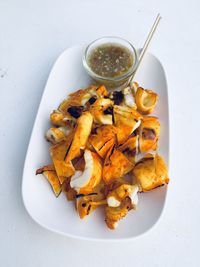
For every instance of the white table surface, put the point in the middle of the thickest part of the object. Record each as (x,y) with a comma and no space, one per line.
(32,35)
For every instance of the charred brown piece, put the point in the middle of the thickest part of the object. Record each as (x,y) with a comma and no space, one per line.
(75,111)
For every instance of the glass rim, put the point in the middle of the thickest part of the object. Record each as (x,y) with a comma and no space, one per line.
(119,78)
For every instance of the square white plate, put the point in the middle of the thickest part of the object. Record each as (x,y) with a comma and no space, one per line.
(59,215)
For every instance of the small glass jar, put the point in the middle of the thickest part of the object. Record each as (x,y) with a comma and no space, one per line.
(110,81)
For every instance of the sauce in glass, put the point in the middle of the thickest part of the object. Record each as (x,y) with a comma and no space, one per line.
(110,60)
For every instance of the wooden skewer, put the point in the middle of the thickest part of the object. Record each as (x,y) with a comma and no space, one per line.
(145,46)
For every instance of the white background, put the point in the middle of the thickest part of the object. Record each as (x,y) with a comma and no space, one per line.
(32,35)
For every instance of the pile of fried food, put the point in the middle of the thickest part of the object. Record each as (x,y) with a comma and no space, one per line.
(95,141)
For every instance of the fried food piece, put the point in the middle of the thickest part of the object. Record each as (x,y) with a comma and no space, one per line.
(115,197)
(85,206)
(63,168)
(101,91)
(95,144)
(66,104)
(87,203)
(73,106)
(51,176)
(134,86)
(103,139)
(82,132)
(151,172)
(57,118)
(101,110)
(69,192)
(49,167)
(57,135)
(89,146)
(127,120)
(117,97)
(71,110)
(116,165)
(84,182)
(123,97)
(79,164)
(114,214)
(146,100)
(82,96)
(149,134)
(114,184)
(129,98)
(78,98)
(130,148)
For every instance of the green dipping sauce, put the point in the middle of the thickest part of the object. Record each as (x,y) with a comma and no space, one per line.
(110,60)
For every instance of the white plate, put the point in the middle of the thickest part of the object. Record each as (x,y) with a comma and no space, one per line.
(58,215)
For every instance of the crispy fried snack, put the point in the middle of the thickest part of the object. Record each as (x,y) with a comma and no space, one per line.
(95,139)
(115,197)
(82,96)
(57,118)
(87,203)
(79,164)
(82,132)
(115,183)
(51,176)
(151,172)
(49,167)
(114,214)
(69,192)
(149,134)
(127,120)
(101,91)
(84,182)
(146,100)
(116,165)
(134,86)
(103,139)
(73,106)
(101,110)
(85,206)
(77,99)
(63,168)
(129,98)
(57,135)
(130,148)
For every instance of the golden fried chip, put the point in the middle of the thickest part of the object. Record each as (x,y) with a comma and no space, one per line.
(116,165)
(149,134)
(51,176)
(82,132)
(63,168)
(130,148)
(101,110)
(127,120)
(69,192)
(114,214)
(84,182)
(103,139)
(146,100)
(151,172)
